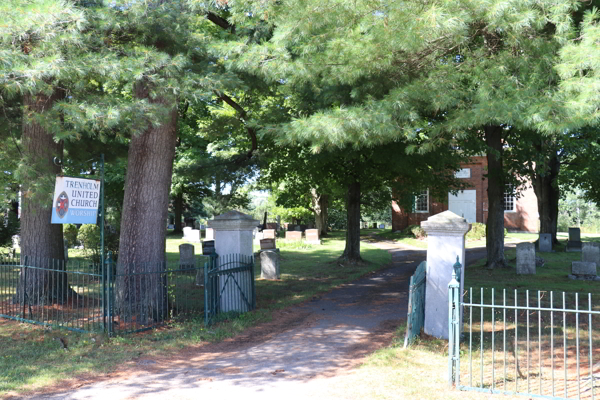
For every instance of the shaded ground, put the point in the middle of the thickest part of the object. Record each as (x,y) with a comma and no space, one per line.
(299,354)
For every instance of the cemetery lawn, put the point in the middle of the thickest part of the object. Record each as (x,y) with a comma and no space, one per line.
(32,357)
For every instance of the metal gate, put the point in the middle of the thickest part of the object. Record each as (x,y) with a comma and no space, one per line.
(537,343)
(228,286)
(416,304)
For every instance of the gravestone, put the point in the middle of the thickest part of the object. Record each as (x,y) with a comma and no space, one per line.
(170,226)
(268,233)
(298,228)
(267,244)
(269,264)
(590,253)
(574,242)
(187,259)
(210,234)
(445,241)
(16,241)
(187,233)
(194,235)
(583,269)
(208,247)
(381,226)
(258,237)
(545,242)
(293,236)
(525,258)
(312,236)
(66,251)
(233,236)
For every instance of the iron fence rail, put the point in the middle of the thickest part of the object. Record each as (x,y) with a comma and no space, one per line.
(85,297)
(535,343)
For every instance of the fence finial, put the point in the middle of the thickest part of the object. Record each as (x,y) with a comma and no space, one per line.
(456,270)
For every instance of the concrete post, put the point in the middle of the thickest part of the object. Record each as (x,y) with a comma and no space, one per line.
(445,241)
(232,235)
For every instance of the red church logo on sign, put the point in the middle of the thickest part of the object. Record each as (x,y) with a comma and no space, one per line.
(62,204)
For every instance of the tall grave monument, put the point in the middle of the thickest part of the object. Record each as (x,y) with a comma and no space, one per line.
(445,241)
(232,235)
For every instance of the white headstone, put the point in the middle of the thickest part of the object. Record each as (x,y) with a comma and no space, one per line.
(269,264)
(525,259)
(233,235)
(445,241)
(545,242)
(210,234)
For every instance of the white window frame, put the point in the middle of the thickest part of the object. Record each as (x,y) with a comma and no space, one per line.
(509,192)
(426,194)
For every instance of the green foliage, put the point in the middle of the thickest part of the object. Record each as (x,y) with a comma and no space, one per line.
(416,231)
(70,232)
(575,210)
(9,226)
(338,219)
(477,231)
(89,236)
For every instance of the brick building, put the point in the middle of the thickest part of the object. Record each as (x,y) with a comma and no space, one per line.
(520,214)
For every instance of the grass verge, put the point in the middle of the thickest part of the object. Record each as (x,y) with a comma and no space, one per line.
(33,357)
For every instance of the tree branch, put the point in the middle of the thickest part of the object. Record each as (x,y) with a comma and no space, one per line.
(219,21)
(243,117)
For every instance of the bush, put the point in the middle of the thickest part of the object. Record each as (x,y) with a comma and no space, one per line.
(477,231)
(89,236)
(416,231)
(70,232)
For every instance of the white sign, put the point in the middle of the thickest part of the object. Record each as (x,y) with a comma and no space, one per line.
(75,201)
(463,173)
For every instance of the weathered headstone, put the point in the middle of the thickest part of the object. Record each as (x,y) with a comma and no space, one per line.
(590,252)
(312,236)
(267,244)
(16,241)
(170,226)
(210,234)
(233,235)
(208,247)
(445,241)
(525,258)
(269,264)
(293,236)
(574,242)
(545,242)
(268,233)
(583,269)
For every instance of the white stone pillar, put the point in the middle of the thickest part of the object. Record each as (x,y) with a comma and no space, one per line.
(445,241)
(232,235)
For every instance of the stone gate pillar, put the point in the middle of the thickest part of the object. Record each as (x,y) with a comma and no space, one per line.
(232,235)
(445,241)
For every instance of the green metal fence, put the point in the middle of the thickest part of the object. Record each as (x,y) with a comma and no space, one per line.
(536,343)
(85,297)
(229,285)
(416,304)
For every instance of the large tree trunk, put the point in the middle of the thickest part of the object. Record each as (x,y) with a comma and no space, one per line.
(546,189)
(41,241)
(496,187)
(178,205)
(320,204)
(352,250)
(145,208)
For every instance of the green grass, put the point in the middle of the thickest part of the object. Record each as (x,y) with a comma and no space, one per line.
(32,356)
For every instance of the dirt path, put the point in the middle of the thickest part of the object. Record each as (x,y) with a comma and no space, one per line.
(301,353)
